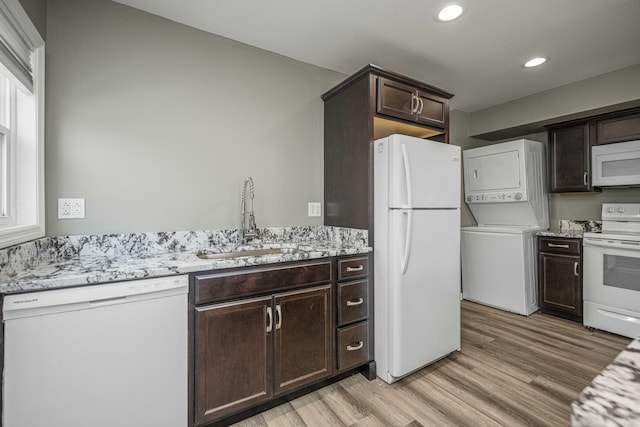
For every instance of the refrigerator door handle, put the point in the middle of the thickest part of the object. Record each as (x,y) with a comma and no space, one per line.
(407,243)
(407,177)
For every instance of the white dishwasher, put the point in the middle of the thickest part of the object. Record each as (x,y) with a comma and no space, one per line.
(97,356)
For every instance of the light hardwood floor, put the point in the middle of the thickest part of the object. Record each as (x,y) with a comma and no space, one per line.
(512,370)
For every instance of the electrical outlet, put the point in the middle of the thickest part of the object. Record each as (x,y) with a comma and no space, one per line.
(70,208)
(315,209)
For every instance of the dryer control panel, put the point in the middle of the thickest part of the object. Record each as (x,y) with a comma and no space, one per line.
(505,197)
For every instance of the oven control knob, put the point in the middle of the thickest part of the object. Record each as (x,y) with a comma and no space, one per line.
(620,209)
(610,209)
(518,196)
(469,198)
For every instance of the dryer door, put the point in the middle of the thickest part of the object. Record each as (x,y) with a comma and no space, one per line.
(492,172)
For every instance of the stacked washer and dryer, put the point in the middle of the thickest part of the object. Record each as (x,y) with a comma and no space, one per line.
(505,189)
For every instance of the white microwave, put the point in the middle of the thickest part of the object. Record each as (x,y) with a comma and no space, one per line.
(616,165)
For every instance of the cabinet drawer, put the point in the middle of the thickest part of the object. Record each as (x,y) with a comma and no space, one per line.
(352,268)
(353,302)
(353,345)
(560,245)
(242,283)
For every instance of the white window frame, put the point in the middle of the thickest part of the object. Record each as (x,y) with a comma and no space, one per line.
(24,195)
(5,182)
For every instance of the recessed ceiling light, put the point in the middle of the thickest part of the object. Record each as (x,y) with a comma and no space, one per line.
(535,62)
(449,12)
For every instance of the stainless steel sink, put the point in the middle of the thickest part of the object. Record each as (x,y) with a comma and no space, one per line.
(248,253)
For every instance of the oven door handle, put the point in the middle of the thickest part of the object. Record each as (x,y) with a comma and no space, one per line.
(617,244)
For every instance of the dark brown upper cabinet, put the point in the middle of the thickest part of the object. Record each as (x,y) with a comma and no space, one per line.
(569,158)
(371,104)
(570,147)
(619,128)
(407,102)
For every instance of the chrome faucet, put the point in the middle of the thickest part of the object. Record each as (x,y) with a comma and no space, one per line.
(247,230)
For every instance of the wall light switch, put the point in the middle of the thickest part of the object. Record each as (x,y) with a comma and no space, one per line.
(70,208)
(315,209)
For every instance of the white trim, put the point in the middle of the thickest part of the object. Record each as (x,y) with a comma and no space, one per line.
(20,38)
(35,229)
(33,226)
(19,234)
(28,31)
(38,90)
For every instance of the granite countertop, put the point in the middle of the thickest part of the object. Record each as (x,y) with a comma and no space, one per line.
(571,234)
(59,262)
(572,228)
(613,398)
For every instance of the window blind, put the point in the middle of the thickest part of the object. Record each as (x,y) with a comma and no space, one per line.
(16,45)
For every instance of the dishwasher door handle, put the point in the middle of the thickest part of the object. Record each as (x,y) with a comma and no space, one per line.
(108,301)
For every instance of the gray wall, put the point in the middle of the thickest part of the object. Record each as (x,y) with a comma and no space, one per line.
(607,92)
(459,128)
(157,124)
(37,12)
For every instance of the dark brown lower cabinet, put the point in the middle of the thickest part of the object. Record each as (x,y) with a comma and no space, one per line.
(250,350)
(265,334)
(560,277)
(354,333)
(302,338)
(233,348)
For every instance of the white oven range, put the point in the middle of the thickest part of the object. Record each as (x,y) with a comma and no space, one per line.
(612,271)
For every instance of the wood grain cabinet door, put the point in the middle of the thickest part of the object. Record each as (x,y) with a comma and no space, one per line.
(397,99)
(233,353)
(407,102)
(561,283)
(618,129)
(569,159)
(303,338)
(433,110)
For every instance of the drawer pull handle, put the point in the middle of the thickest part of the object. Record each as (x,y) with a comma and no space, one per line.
(355,346)
(351,303)
(586,178)
(352,269)
(553,245)
(269,319)
(575,269)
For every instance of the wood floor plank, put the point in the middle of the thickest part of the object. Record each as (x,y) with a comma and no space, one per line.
(512,370)
(314,411)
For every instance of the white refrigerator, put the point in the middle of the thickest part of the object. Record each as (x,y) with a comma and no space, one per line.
(416,253)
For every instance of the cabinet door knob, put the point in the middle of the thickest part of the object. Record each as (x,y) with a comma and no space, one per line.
(352,269)
(269,319)
(351,303)
(355,346)
(421,105)
(575,269)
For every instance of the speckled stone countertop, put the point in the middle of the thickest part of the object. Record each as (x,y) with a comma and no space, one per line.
(613,398)
(572,228)
(67,261)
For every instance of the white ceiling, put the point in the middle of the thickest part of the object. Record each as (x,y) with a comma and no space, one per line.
(478,57)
